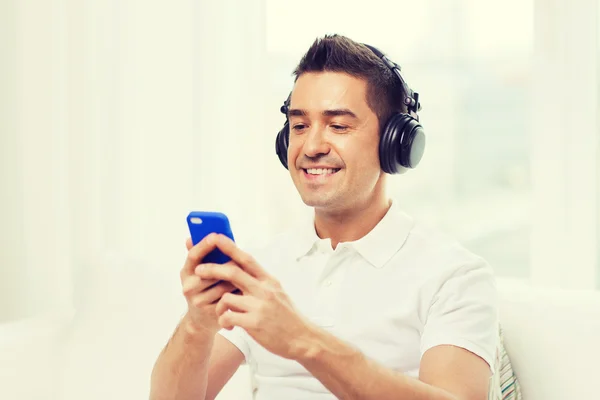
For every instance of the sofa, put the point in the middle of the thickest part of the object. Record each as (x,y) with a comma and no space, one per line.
(552,337)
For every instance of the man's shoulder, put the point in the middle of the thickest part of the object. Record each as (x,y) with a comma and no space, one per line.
(440,253)
(440,263)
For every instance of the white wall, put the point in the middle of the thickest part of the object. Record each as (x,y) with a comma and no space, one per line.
(565,146)
(12,281)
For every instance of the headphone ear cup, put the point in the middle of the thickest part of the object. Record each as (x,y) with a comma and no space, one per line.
(412,144)
(281,144)
(402,144)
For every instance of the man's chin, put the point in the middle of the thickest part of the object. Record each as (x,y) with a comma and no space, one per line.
(318,200)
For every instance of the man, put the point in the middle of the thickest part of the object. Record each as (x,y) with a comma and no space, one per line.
(358,303)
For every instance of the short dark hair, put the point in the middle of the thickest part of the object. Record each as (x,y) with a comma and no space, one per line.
(337,53)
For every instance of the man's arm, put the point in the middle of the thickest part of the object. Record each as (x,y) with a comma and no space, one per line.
(196,362)
(446,373)
(194,365)
(456,370)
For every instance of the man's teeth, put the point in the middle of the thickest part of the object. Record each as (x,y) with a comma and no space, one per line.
(321,171)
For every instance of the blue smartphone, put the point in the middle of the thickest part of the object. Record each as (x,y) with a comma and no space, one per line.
(203,223)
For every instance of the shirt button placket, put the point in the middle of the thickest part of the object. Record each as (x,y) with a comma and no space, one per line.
(327,290)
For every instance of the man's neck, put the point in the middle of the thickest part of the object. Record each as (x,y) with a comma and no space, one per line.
(351,225)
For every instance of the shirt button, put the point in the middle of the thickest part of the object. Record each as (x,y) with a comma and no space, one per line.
(327,283)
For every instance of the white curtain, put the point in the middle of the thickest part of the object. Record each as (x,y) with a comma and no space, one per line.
(119,118)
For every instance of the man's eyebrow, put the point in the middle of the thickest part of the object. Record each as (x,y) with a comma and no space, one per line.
(295,112)
(339,112)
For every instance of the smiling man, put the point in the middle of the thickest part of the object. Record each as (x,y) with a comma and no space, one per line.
(359,302)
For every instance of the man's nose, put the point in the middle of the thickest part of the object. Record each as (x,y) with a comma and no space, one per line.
(316,142)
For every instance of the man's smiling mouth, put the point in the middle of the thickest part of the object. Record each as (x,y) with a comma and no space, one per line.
(320,171)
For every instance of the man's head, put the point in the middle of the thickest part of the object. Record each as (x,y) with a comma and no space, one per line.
(342,97)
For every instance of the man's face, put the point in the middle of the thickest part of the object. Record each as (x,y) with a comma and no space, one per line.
(333,153)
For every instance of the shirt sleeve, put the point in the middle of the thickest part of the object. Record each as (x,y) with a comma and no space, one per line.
(464,313)
(238,338)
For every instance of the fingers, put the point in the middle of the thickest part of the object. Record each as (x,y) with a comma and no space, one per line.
(243,259)
(193,284)
(213,294)
(235,302)
(210,295)
(229,272)
(198,252)
(244,320)
(188,244)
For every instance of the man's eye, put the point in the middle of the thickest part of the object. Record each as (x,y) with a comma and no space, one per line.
(298,127)
(339,128)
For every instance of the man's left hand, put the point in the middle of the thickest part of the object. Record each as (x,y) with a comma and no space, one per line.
(263,309)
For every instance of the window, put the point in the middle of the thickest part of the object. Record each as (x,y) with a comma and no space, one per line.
(473,76)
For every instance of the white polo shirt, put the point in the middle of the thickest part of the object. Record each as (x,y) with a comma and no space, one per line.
(395,293)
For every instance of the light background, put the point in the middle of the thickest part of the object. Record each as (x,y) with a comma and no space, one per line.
(118,117)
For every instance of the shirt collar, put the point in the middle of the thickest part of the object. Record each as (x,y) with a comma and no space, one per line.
(307,238)
(377,247)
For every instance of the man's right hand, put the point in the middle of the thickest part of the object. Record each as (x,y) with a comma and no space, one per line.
(202,296)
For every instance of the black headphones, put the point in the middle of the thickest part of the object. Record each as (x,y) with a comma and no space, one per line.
(402,140)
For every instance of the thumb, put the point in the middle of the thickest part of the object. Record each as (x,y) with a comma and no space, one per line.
(188,243)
